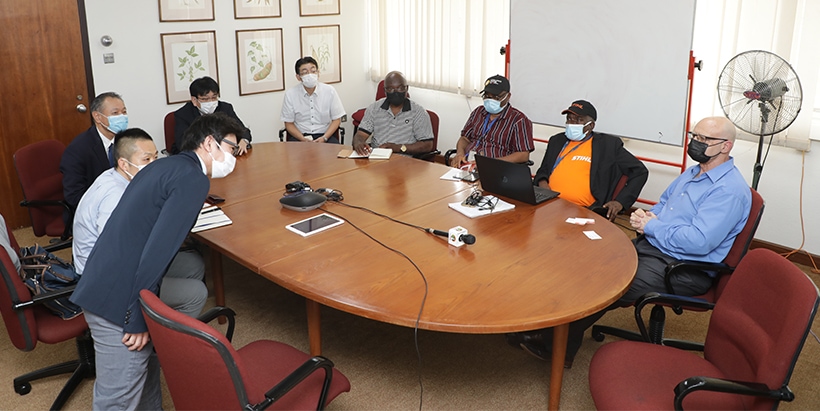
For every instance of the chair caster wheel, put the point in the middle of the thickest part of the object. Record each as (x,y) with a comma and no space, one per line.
(23,388)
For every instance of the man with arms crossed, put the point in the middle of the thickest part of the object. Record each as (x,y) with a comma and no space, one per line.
(142,236)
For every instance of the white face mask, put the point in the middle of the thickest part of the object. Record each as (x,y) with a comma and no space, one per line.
(575,132)
(208,107)
(220,169)
(310,80)
(138,167)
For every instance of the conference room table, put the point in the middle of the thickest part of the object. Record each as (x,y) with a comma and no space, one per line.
(528,269)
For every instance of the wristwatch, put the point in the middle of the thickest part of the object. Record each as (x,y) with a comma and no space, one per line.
(403,148)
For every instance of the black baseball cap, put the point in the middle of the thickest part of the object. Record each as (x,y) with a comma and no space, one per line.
(495,85)
(582,108)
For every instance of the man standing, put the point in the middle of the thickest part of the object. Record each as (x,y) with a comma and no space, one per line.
(585,166)
(697,218)
(183,288)
(395,122)
(311,111)
(205,100)
(88,155)
(496,129)
(144,232)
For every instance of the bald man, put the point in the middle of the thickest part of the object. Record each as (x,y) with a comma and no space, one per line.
(697,218)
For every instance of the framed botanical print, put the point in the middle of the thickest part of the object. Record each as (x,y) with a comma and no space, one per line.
(259,57)
(323,44)
(187,57)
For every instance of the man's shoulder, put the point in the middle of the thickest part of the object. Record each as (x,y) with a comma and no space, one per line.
(515,113)
(416,106)
(187,110)
(84,138)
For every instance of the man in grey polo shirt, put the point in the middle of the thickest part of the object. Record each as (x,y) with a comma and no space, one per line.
(395,122)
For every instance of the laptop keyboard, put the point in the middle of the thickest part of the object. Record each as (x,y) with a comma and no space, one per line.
(542,194)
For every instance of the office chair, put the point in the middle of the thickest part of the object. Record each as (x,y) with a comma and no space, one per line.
(755,335)
(27,321)
(357,117)
(204,371)
(38,169)
(340,134)
(724,270)
(168,125)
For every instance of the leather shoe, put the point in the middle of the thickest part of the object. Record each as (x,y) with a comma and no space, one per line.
(515,339)
(542,352)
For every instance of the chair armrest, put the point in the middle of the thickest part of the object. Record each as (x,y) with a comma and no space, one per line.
(673,268)
(447,155)
(693,384)
(44,203)
(427,155)
(216,312)
(677,302)
(305,370)
(44,297)
(282,132)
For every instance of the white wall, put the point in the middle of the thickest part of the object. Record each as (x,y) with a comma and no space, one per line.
(138,75)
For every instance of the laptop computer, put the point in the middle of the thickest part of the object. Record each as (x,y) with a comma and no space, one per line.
(510,180)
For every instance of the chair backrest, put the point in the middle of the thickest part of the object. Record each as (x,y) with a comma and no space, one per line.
(21,325)
(380,93)
(760,323)
(434,122)
(38,169)
(741,244)
(357,117)
(202,369)
(169,123)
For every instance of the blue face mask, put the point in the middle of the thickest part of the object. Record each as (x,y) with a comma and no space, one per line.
(492,106)
(117,123)
(575,132)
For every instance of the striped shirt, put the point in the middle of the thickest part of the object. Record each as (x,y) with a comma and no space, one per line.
(511,132)
(411,125)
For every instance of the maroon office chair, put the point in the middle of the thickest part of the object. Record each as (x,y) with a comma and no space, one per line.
(654,332)
(756,332)
(357,117)
(431,155)
(38,169)
(28,322)
(168,126)
(203,370)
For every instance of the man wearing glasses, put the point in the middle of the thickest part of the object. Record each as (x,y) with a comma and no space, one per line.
(205,100)
(585,166)
(496,129)
(395,122)
(311,111)
(697,218)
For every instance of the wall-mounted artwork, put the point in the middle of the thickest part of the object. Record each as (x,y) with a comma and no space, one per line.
(186,10)
(322,43)
(187,57)
(318,7)
(259,55)
(254,9)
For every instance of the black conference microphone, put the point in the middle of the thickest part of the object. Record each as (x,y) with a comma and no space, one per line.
(466,238)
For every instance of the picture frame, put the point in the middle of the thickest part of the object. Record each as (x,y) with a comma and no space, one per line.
(323,44)
(318,7)
(255,9)
(187,57)
(186,10)
(259,57)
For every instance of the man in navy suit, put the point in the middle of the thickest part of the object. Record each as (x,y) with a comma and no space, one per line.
(86,157)
(205,100)
(156,212)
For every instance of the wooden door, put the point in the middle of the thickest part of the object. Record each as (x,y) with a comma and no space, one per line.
(45,75)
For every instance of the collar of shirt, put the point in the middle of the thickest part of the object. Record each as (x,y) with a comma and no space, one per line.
(315,91)
(405,107)
(202,163)
(106,142)
(716,173)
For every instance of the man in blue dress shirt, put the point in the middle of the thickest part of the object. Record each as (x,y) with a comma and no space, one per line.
(142,236)
(697,218)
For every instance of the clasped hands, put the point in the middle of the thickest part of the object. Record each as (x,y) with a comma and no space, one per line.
(639,218)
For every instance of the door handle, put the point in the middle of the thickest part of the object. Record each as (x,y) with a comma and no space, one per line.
(81,108)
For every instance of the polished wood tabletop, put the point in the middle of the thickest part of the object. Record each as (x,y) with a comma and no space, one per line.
(528,269)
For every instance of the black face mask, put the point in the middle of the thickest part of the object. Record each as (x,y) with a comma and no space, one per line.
(395,98)
(697,151)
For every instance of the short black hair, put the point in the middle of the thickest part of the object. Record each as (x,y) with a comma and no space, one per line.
(202,86)
(97,103)
(124,142)
(217,125)
(306,60)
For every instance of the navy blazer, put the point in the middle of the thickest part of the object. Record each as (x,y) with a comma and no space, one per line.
(142,236)
(186,115)
(83,161)
(610,160)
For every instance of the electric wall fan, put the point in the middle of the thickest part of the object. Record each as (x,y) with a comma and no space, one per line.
(761,94)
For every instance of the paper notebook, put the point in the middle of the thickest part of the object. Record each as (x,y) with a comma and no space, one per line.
(210,217)
(376,154)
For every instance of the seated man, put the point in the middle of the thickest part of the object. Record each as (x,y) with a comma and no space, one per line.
(395,122)
(312,110)
(585,166)
(88,155)
(697,218)
(183,288)
(205,100)
(155,214)
(496,129)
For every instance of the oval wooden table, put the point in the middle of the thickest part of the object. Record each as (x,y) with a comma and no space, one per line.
(528,269)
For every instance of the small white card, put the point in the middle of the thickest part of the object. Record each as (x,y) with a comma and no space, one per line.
(580,221)
(592,235)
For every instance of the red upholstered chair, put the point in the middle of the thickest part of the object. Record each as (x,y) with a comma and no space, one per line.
(359,114)
(654,332)
(755,335)
(205,372)
(168,126)
(38,169)
(28,322)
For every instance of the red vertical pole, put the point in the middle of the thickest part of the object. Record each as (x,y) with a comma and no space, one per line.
(507,61)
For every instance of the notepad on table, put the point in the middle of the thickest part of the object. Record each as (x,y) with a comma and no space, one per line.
(376,154)
(210,217)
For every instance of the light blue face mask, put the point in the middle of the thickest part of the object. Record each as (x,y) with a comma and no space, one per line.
(575,132)
(492,106)
(117,123)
